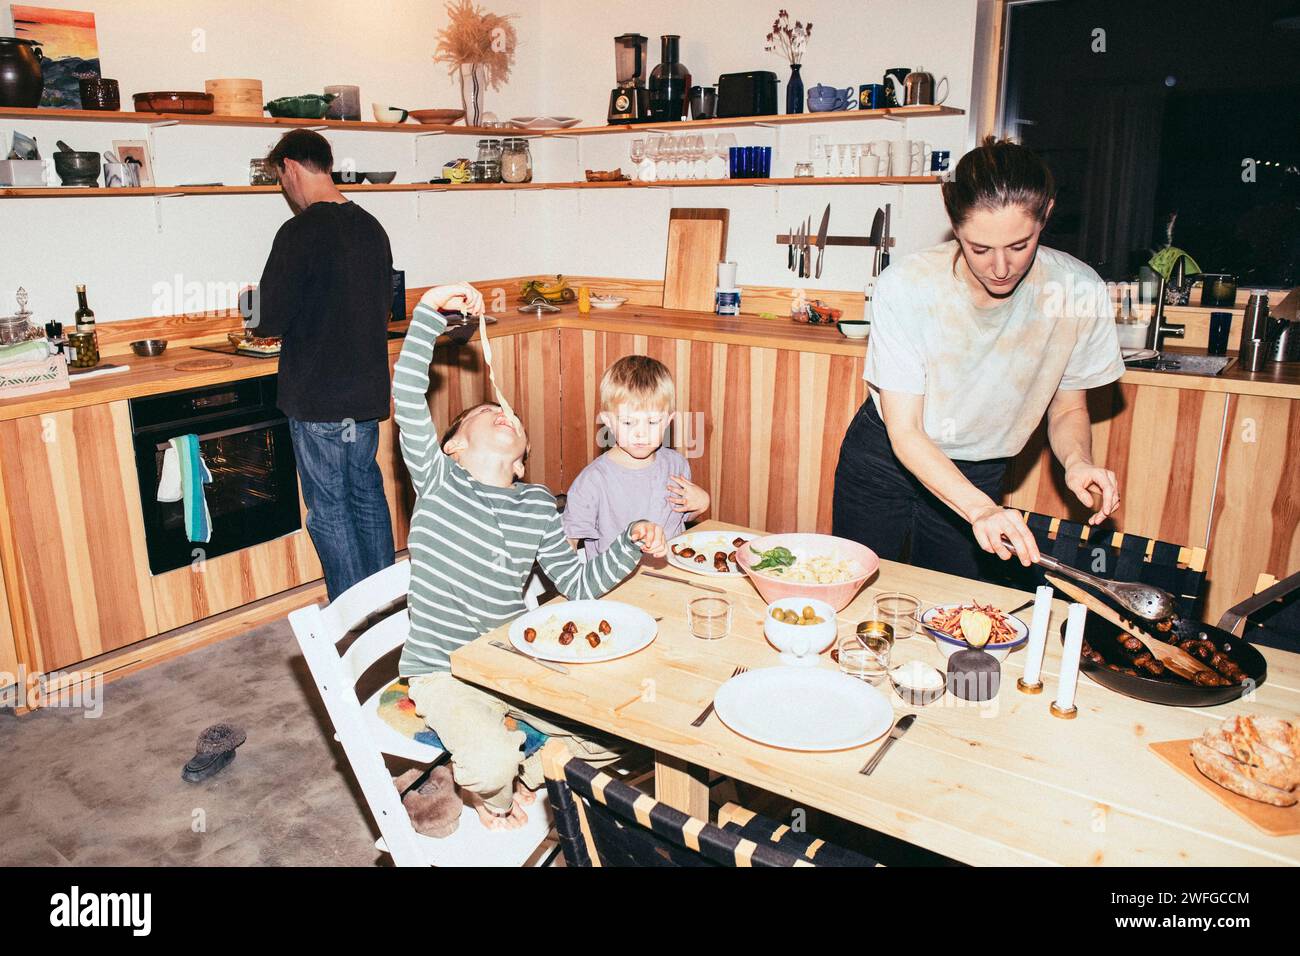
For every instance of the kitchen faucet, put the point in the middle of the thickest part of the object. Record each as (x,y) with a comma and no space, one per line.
(1159,329)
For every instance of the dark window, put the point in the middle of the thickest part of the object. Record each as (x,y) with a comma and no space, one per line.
(1160,110)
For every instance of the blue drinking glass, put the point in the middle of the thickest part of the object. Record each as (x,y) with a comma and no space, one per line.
(764,170)
(751,161)
(735,157)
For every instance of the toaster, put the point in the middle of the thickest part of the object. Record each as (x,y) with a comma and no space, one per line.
(747,94)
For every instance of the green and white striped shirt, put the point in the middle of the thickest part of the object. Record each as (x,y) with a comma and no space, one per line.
(473,545)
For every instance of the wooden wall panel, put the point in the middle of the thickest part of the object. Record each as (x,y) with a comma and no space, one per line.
(1162,444)
(1256,524)
(78,533)
(761,427)
(8,639)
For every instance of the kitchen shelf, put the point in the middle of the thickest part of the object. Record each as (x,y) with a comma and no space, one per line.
(78,192)
(897,113)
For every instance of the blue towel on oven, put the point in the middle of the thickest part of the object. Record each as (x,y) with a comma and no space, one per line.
(194,475)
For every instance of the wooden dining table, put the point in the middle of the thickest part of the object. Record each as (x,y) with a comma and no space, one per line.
(999,783)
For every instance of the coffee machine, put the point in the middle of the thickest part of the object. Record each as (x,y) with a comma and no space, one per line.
(629,102)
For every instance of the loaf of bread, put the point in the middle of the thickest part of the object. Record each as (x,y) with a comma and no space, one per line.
(1254,757)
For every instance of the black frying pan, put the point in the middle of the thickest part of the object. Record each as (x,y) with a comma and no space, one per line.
(1174,691)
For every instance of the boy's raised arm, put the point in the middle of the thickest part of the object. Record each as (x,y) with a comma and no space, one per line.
(418,435)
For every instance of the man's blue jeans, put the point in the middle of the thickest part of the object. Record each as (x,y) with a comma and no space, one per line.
(347,512)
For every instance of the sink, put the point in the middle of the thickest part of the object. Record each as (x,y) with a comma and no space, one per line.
(1181,364)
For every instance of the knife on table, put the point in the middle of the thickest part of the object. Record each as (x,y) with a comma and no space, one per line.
(900,728)
(821,239)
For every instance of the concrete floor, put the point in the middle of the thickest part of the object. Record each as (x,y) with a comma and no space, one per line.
(108,791)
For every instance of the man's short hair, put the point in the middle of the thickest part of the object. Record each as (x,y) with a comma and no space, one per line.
(305,147)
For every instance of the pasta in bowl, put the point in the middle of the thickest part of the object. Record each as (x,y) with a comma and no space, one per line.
(807,565)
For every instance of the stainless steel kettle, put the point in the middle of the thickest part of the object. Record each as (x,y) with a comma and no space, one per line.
(919,89)
(1284,341)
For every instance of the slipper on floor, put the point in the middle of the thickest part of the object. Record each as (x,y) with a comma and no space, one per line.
(213,752)
(203,766)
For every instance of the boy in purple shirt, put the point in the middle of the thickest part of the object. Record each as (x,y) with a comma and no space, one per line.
(637,476)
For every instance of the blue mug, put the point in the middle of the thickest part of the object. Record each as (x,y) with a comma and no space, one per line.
(871,96)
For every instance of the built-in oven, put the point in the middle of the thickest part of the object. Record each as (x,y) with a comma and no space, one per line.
(245,443)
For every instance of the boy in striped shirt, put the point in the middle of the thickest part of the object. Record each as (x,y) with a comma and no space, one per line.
(475,532)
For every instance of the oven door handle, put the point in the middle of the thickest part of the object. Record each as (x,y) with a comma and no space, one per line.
(226,433)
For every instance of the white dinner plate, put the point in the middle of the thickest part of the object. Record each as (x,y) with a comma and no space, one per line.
(631,630)
(707,543)
(803,708)
(1138,355)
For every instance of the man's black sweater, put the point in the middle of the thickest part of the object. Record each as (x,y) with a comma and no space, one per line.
(327,291)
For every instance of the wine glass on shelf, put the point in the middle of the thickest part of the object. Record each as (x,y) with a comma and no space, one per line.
(636,153)
(685,158)
(845,169)
(703,150)
(667,161)
(726,142)
(650,169)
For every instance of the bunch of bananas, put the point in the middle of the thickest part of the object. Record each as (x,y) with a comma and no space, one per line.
(544,290)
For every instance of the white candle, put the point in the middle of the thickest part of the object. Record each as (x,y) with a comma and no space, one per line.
(1070,657)
(1038,635)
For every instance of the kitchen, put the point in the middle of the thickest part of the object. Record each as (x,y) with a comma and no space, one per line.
(756,210)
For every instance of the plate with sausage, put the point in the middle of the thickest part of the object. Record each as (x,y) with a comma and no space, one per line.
(708,552)
(583,632)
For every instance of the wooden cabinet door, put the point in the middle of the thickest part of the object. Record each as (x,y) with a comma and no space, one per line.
(78,532)
(219,584)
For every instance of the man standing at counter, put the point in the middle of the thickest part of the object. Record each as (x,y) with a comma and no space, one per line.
(972,341)
(327,291)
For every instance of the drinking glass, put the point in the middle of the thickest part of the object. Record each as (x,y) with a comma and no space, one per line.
(685,157)
(865,657)
(734,157)
(725,144)
(701,157)
(667,160)
(900,611)
(709,617)
(636,153)
(845,168)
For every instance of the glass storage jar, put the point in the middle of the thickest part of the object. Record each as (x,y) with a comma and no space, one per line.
(489,160)
(516,161)
(82,349)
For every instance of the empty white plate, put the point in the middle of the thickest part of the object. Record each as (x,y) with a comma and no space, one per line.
(803,708)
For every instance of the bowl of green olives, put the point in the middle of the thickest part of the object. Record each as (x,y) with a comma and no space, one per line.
(800,628)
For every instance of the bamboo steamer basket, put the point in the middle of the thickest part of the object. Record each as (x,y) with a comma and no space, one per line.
(235,97)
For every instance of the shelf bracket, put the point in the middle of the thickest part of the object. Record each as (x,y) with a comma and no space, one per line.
(161,123)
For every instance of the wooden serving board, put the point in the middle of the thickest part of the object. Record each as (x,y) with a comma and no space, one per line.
(1276,821)
(697,242)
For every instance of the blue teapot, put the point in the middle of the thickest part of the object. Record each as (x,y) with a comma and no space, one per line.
(823,99)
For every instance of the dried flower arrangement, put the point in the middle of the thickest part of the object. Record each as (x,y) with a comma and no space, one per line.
(479,49)
(789,41)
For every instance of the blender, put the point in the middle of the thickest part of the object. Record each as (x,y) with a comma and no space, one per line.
(629,102)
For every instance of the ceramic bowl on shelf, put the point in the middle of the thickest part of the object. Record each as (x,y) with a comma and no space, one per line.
(306,106)
(389,114)
(437,117)
(380,179)
(607,301)
(854,328)
(171,101)
(347,177)
(77,168)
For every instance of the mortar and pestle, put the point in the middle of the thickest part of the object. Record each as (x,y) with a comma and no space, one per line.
(76,168)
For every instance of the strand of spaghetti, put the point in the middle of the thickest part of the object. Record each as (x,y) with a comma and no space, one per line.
(492,376)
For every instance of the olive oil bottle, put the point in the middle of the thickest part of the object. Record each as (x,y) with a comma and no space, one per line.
(85,318)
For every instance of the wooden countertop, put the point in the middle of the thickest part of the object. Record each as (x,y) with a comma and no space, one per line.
(151,376)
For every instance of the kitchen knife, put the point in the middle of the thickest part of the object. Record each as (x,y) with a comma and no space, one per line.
(789,249)
(798,249)
(877,234)
(884,249)
(821,238)
(807,260)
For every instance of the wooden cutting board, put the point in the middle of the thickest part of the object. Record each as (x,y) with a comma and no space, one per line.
(697,242)
(1277,821)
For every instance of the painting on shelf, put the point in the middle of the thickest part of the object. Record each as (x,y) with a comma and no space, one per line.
(69,47)
(136,151)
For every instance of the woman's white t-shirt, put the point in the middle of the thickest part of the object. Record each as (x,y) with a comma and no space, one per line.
(988,374)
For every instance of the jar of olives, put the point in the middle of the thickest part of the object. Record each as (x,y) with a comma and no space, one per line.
(82,349)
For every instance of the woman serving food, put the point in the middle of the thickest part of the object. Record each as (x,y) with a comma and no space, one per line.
(972,342)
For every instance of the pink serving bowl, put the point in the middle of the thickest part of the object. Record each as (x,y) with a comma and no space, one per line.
(837,596)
